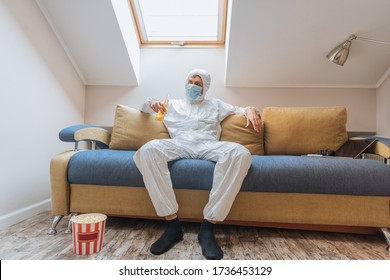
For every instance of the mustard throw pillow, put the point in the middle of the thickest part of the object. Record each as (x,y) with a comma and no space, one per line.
(233,130)
(300,131)
(133,128)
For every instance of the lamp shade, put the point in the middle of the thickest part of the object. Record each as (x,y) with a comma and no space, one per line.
(340,53)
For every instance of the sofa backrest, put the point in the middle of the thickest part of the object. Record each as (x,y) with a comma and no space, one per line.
(307,130)
(133,128)
(286,130)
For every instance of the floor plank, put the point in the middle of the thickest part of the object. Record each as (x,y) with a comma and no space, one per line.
(130,239)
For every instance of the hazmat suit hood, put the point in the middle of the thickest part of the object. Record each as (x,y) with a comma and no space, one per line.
(206,79)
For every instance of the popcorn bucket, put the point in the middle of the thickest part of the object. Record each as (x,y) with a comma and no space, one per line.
(88,233)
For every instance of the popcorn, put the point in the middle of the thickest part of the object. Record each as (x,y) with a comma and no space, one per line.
(89,218)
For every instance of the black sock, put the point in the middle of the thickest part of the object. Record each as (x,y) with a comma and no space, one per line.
(210,247)
(173,234)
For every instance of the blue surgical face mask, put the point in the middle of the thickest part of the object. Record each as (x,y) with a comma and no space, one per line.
(193,92)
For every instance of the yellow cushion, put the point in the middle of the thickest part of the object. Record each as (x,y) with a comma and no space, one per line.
(299,131)
(233,130)
(133,128)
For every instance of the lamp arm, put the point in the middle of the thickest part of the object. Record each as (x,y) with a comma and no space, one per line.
(371,40)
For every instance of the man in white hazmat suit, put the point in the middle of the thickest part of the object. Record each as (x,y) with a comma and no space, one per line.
(194,127)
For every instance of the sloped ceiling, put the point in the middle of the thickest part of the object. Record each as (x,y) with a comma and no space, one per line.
(91,36)
(280,43)
(285,43)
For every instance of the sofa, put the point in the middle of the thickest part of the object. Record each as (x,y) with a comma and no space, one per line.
(290,184)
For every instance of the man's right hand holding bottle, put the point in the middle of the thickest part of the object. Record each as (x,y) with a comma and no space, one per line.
(157,106)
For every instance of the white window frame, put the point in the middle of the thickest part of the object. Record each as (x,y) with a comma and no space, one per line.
(144,42)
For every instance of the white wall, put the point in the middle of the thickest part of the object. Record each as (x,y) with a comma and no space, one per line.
(163,71)
(383,108)
(40,94)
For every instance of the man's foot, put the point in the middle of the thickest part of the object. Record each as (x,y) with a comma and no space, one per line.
(173,234)
(210,247)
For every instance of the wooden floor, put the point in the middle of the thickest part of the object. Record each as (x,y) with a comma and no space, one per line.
(131,238)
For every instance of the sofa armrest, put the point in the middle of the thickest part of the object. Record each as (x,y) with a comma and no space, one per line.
(381,147)
(60,188)
(89,133)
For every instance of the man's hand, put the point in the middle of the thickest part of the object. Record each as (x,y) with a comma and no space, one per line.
(253,118)
(158,106)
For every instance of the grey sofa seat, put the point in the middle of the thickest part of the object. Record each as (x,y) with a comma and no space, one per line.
(283,174)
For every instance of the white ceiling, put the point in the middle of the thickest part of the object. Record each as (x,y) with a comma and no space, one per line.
(91,35)
(279,43)
(285,42)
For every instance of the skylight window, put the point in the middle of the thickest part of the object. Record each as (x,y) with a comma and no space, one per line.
(180,22)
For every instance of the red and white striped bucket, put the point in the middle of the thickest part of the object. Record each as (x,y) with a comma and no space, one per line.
(88,233)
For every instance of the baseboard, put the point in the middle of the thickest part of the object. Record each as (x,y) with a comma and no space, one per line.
(24,213)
